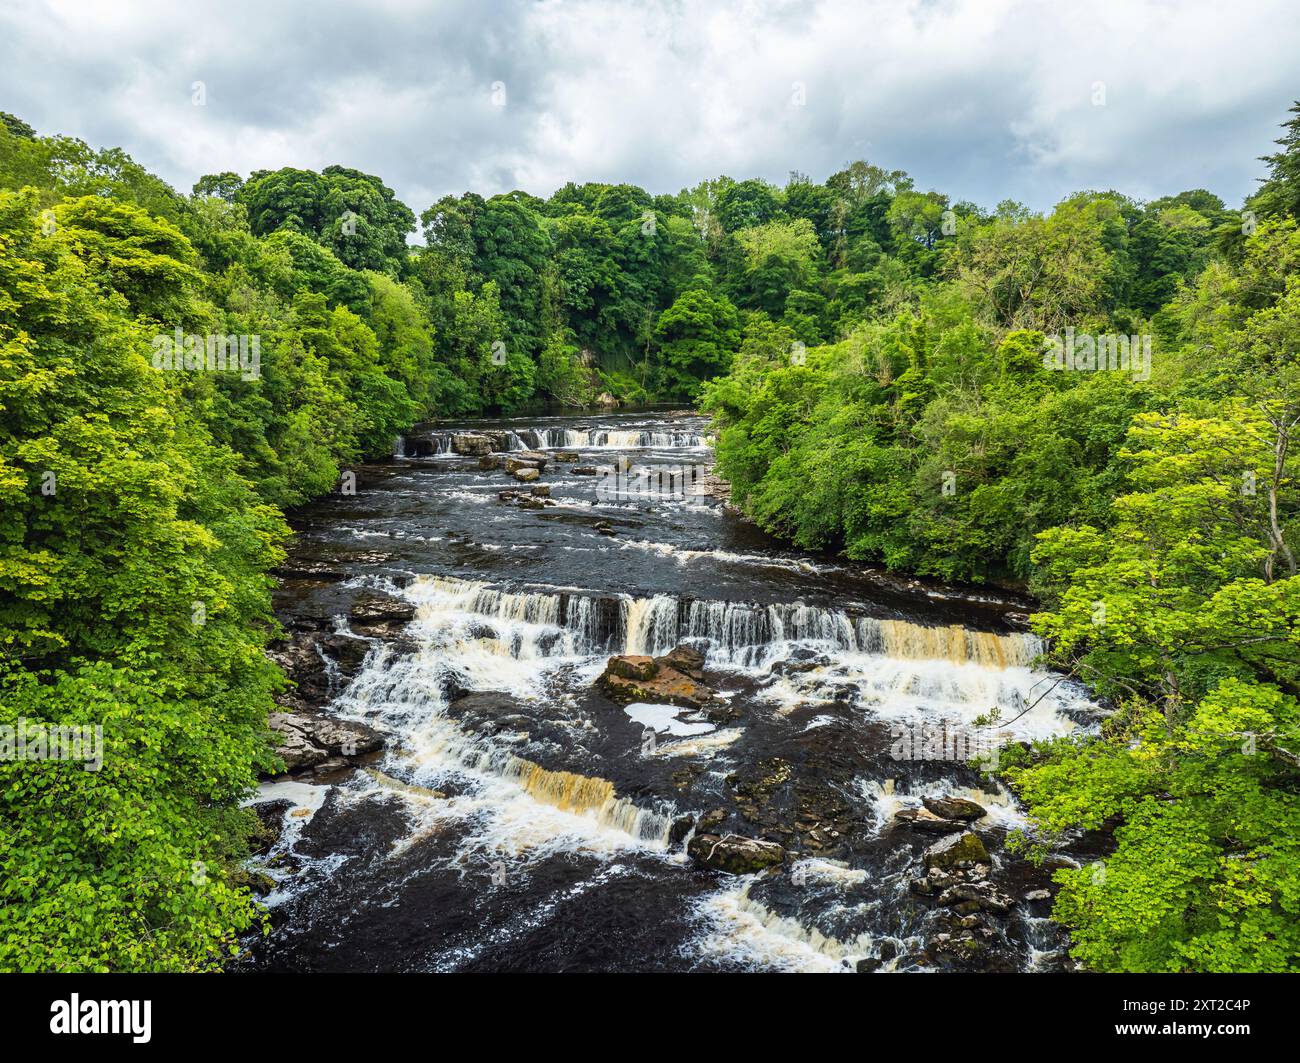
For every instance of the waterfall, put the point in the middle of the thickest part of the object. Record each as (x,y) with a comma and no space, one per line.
(740,634)
(407,693)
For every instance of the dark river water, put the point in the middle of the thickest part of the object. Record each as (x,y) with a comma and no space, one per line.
(551,837)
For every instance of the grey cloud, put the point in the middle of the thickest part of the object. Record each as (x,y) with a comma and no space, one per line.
(983,99)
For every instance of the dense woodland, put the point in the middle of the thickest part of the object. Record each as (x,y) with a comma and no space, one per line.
(877,360)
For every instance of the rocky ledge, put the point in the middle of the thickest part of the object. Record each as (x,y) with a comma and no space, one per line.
(309,740)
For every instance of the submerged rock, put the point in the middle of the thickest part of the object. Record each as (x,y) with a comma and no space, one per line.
(733,853)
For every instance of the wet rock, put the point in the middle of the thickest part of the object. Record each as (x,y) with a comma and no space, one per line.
(524,475)
(686,660)
(485,703)
(604,527)
(473,444)
(566,455)
(376,608)
(541,491)
(954,808)
(490,461)
(926,822)
(299,658)
(681,827)
(868,965)
(733,853)
(970,897)
(955,851)
(802,660)
(325,571)
(499,438)
(585,470)
(1038,895)
(525,500)
(348,651)
(270,826)
(711,822)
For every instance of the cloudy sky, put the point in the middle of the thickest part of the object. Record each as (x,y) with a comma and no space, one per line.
(982,99)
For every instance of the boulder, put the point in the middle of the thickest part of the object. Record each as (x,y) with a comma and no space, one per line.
(628,679)
(541,491)
(473,444)
(632,667)
(955,851)
(525,459)
(954,808)
(926,822)
(524,475)
(686,660)
(583,470)
(733,853)
(566,455)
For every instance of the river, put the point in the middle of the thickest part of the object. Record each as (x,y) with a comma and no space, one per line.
(543,828)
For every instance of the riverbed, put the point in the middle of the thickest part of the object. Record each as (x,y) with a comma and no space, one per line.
(519,820)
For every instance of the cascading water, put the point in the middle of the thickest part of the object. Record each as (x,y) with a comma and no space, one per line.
(519,820)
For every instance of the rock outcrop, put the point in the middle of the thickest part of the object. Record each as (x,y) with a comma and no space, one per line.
(310,741)
(472,444)
(658,680)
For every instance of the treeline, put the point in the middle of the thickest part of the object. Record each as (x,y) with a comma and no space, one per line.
(996,415)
